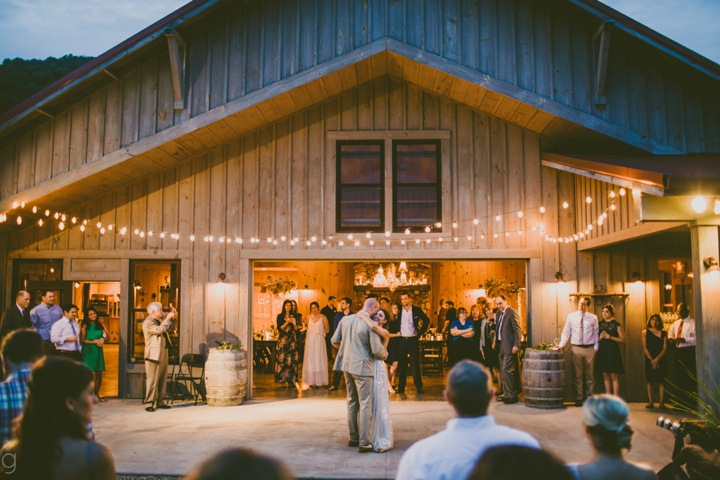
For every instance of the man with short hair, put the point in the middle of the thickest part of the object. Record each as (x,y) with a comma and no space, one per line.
(157,342)
(43,316)
(345,305)
(581,330)
(682,335)
(65,334)
(329,311)
(385,304)
(413,324)
(17,316)
(452,453)
(20,350)
(507,345)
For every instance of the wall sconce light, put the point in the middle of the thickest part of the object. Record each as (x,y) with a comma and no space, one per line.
(221,278)
(699,204)
(711,264)
(136,285)
(559,277)
(636,277)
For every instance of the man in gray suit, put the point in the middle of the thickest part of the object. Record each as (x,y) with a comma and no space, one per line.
(508,344)
(357,348)
(157,342)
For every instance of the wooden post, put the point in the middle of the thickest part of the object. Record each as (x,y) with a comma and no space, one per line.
(706,291)
(176,47)
(603,33)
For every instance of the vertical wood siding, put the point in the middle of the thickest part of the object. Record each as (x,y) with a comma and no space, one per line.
(533,45)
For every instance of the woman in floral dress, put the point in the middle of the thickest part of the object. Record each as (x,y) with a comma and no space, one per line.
(286,357)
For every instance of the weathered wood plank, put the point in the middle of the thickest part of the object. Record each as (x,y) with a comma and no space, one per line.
(129,108)
(26,161)
(96,126)
(43,152)
(113,117)
(148,100)
(61,144)
(218,64)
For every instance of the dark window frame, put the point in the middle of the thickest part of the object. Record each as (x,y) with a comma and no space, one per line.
(339,186)
(395,184)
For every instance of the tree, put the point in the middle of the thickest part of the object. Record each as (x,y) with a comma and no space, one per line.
(19,78)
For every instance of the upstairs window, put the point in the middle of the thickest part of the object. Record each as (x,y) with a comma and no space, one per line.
(360,186)
(416,184)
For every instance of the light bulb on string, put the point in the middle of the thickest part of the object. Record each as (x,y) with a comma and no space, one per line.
(162,234)
(477,222)
(150,233)
(498,217)
(520,214)
(542,209)
(565,205)
(454,225)
(612,194)
(469,238)
(192,238)
(440,240)
(82,228)
(402,242)
(34,209)
(612,207)
(40,222)
(387,242)
(313,239)
(427,241)
(367,235)
(507,234)
(292,242)
(438,225)
(206,238)
(283,238)
(61,225)
(296,239)
(387,233)
(84,222)
(269,239)
(427,229)
(102,231)
(47,213)
(341,243)
(520,232)
(110,227)
(63,217)
(308,243)
(357,243)
(590,227)
(212,239)
(417,240)
(581,234)
(495,235)
(350,236)
(137,231)
(15,205)
(622,192)
(588,199)
(372,242)
(482,236)
(275,242)
(221,239)
(22,204)
(123,230)
(238,240)
(407,231)
(324,242)
(455,239)
(73,220)
(57,215)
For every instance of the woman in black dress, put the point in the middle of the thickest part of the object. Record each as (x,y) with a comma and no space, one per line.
(655,342)
(609,360)
(488,345)
(287,357)
(393,326)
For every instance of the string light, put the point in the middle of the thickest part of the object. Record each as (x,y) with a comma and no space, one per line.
(565,205)
(454,225)
(520,214)
(498,217)
(477,222)
(622,192)
(40,222)
(34,209)
(542,209)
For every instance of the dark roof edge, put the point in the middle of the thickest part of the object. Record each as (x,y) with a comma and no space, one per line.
(103,61)
(180,15)
(650,36)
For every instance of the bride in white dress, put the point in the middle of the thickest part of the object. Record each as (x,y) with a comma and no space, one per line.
(382,432)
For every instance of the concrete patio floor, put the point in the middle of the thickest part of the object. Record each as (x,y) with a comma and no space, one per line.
(310,434)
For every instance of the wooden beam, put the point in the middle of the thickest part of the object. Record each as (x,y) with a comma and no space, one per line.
(176,49)
(351,254)
(603,34)
(632,233)
(109,74)
(43,112)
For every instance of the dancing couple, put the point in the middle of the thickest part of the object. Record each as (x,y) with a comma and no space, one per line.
(362,346)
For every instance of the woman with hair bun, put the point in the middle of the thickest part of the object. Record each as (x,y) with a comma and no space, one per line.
(606,422)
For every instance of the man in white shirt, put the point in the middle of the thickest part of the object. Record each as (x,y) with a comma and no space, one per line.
(65,334)
(452,453)
(682,335)
(581,329)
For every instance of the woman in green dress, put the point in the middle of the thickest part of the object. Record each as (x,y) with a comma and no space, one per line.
(92,337)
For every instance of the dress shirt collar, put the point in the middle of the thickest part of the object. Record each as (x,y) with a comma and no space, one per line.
(22,310)
(20,375)
(458,423)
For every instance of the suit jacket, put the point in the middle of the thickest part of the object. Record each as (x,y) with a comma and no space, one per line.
(357,347)
(155,337)
(509,330)
(12,319)
(420,320)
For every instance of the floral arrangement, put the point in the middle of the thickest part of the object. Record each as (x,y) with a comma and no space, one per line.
(277,286)
(500,286)
(543,346)
(229,346)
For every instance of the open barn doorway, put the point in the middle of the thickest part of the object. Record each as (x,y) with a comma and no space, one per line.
(462,283)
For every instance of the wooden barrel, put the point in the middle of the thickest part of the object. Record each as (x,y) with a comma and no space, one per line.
(543,378)
(226,377)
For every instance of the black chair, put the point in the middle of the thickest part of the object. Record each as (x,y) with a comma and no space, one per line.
(189,362)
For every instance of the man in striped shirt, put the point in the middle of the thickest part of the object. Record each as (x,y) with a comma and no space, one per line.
(20,350)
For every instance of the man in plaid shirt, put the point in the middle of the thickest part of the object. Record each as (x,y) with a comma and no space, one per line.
(20,350)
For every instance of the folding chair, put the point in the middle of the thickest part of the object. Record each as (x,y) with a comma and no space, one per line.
(189,362)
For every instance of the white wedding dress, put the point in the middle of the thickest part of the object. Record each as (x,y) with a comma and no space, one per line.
(382,433)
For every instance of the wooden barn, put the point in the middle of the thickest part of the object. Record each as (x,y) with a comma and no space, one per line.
(556,144)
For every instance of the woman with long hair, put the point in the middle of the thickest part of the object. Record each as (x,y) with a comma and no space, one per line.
(51,436)
(315,362)
(92,338)
(608,358)
(393,327)
(655,346)
(286,356)
(488,346)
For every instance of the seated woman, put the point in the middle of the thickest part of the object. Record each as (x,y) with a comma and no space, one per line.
(606,423)
(52,439)
(463,332)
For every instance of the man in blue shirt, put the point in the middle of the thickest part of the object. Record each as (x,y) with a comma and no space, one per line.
(20,350)
(345,305)
(43,316)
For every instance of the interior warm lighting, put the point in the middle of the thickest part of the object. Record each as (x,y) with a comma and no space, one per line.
(699,204)
(380,280)
(717,207)
(402,267)
(566,205)
(668,286)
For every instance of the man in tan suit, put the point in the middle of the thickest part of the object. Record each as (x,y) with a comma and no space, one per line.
(157,341)
(357,348)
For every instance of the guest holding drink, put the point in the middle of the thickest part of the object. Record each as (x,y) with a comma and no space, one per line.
(655,346)
(92,338)
(287,357)
(462,332)
(488,346)
(609,360)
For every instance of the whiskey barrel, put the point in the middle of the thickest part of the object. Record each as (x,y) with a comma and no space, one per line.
(226,377)
(543,378)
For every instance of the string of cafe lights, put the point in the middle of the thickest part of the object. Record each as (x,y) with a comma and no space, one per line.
(65,221)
